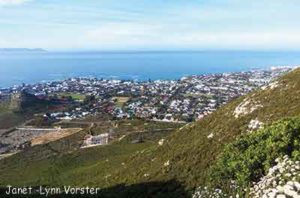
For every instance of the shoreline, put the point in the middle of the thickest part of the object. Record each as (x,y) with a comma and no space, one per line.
(117,78)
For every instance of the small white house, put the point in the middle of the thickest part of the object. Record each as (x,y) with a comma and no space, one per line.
(101,139)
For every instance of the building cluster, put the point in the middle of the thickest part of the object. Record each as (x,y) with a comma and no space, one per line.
(190,98)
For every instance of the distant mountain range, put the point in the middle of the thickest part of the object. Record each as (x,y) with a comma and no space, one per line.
(22,50)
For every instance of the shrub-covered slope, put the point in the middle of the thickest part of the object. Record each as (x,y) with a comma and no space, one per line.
(251,156)
(186,156)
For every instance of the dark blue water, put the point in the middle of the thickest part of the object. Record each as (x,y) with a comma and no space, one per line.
(16,68)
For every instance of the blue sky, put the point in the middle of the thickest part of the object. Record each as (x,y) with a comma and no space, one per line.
(150,24)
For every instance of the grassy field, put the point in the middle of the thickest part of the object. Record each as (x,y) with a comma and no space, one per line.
(120,101)
(75,96)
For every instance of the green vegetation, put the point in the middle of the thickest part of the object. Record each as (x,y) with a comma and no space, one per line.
(10,115)
(186,156)
(10,119)
(4,107)
(123,127)
(190,152)
(71,169)
(22,107)
(63,162)
(74,96)
(250,157)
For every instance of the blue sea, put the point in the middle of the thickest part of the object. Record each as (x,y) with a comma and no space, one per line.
(17,68)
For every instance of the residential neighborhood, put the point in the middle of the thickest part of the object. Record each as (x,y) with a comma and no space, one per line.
(184,100)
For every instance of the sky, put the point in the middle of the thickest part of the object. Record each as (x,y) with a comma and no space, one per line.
(150,24)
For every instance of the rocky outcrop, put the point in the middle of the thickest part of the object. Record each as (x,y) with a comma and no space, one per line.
(246,107)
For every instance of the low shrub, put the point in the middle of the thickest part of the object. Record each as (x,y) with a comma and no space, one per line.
(250,157)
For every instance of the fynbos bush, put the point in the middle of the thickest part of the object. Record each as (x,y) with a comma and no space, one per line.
(251,156)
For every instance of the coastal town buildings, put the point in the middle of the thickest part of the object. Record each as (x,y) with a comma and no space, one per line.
(184,100)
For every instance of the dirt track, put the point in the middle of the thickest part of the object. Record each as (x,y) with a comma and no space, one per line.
(52,136)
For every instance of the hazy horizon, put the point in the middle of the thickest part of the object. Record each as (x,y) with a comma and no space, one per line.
(32,67)
(154,50)
(143,25)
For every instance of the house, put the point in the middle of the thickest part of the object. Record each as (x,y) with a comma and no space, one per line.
(101,139)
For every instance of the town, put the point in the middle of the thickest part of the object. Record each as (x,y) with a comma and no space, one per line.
(184,100)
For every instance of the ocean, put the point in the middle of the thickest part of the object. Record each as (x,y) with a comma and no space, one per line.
(18,68)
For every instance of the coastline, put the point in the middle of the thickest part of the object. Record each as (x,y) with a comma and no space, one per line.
(44,67)
(142,80)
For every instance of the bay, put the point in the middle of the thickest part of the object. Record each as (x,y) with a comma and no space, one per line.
(17,68)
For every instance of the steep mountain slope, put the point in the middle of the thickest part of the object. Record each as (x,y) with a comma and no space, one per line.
(188,153)
(183,160)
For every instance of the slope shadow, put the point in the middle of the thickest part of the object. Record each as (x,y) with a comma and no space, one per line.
(167,189)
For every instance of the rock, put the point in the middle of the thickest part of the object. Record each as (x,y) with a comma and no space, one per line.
(167,163)
(161,142)
(210,136)
(273,85)
(246,107)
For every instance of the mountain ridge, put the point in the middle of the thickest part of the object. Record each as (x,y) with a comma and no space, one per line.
(12,50)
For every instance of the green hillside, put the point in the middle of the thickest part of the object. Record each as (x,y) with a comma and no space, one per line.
(182,163)
(191,153)
(9,113)
(20,108)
